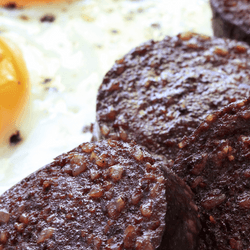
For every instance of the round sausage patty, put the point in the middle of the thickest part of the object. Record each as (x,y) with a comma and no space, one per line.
(161,91)
(104,195)
(214,161)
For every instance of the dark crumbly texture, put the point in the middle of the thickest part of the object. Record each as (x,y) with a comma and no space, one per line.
(161,91)
(107,195)
(231,19)
(182,222)
(214,161)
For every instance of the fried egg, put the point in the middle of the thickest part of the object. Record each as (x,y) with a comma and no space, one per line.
(67,47)
(14,89)
(25,3)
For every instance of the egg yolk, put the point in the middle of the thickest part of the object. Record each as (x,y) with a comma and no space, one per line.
(21,3)
(14,88)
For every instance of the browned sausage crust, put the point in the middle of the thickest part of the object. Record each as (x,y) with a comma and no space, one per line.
(104,195)
(161,91)
(214,161)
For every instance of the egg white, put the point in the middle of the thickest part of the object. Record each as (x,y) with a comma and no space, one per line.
(74,52)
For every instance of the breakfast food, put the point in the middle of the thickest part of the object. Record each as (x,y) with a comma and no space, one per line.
(214,161)
(182,222)
(104,195)
(14,89)
(71,54)
(231,19)
(21,3)
(161,91)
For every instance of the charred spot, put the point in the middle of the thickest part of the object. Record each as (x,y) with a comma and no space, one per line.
(183,110)
(10,6)
(213,106)
(48,18)
(228,227)
(191,79)
(15,138)
(145,185)
(46,80)
(28,235)
(46,189)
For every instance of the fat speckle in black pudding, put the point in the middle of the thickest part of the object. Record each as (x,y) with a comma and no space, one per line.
(161,91)
(103,195)
(214,161)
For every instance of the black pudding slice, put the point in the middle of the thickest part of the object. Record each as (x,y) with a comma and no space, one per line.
(231,19)
(215,162)
(161,91)
(105,195)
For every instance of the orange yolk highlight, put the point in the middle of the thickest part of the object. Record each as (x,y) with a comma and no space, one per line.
(22,3)
(14,88)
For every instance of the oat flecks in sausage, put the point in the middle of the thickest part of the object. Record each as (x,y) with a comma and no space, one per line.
(45,234)
(19,226)
(116,172)
(143,243)
(221,51)
(222,188)
(213,201)
(3,237)
(244,200)
(88,147)
(4,216)
(96,192)
(105,130)
(24,218)
(146,209)
(130,236)
(168,88)
(95,174)
(78,169)
(123,199)
(138,154)
(101,160)
(83,200)
(136,196)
